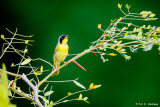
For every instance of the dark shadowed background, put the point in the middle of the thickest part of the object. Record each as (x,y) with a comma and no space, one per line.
(124,83)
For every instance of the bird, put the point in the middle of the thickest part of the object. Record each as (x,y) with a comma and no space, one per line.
(60,52)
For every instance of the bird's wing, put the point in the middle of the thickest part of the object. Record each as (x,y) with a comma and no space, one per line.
(55,50)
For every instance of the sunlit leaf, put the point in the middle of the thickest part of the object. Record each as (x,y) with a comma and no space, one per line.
(119,5)
(113,46)
(26,61)
(141,47)
(80,96)
(78,99)
(144,15)
(12,64)
(19,89)
(14,85)
(69,93)
(51,104)
(48,93)
(152,15)
(148,47)
(2,36)
(26,41)
(78,84)
(99,26)
(103,54)
(119,19)
(32,102)
(4,101)
(86,101)
(96,86)
(85,98)
(9,93)
(31,79)
(126,33)
(11,105)
(45,100)
(127,57)
(41,69)
(119,48)
(127,6)
(4,78)
(26,50)
(32,93)
(37,73)
(124,28)
(3,96)
(91,86)
(106,59)
(36,69)
(112,54)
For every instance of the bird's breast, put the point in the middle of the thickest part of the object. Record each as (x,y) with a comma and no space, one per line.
(63,48)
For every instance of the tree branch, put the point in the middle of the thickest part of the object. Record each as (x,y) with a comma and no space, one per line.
(12,74)
(21,94)
(73,59)
(35,89)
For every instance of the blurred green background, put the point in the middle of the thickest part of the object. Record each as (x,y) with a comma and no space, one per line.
(124,83)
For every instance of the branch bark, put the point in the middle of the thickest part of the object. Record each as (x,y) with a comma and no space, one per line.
(35,90)
(12,74)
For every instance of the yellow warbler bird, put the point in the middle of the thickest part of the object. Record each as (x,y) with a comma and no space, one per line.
(60,52)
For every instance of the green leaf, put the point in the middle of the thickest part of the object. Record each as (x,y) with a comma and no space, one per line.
(14,85)
(3,96)
(37,73)
(9,93)
(4,78)
(4,100)
(11,105)
(51,104)
(86,101)
(31,79)
(80,96)
(78,84)
(148,47)
(85,98)
(45,100)
(26,61)
(32,102)
(48,93)
(46,105)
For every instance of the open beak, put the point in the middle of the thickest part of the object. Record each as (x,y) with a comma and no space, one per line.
(66,36)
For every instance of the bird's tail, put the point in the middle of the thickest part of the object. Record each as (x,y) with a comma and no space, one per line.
(56,65)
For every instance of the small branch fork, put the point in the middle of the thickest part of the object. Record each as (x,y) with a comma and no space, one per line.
(35,89)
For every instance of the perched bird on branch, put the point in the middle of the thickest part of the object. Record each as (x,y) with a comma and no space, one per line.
(60,52)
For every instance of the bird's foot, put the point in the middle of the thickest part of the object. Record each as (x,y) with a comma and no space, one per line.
(65,63)
(56,72)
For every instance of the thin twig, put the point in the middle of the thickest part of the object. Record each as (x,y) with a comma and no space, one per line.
(12,74)
(8,44)
(43,61)
(71,95)
(21,94)
(64,80)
